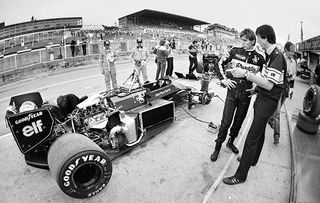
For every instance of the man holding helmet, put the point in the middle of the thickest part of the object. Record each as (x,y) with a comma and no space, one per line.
(107,66)
(140,55)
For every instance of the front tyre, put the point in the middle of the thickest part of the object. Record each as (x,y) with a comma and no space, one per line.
(79,166)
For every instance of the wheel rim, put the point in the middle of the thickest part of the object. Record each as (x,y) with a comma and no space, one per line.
(309,99)
(87,175)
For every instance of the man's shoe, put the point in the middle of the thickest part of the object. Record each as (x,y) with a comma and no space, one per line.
(232,180)
(231,146)
(214,155)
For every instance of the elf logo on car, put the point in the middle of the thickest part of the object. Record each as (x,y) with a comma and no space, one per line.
(34,128)
(83,159)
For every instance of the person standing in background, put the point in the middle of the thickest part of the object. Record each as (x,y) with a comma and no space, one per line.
(193,50)
(107,66)
(140,56)
(84,46)
(274,120)
(162,54)
(289,49)
(317,72)
(169,70)
(73,47)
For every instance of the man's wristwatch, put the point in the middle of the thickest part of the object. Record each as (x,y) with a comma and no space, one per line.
(246,74)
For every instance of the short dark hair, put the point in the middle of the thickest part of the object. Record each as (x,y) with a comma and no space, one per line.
(288,45)
(267,32)
(194,41)
(249,34)
(107,42)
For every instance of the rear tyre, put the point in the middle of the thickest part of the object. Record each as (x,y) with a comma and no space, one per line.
(311,102)
(79,166)
(307,124)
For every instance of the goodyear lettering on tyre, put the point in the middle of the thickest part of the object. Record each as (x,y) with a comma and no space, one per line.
(81,160)
(69,183)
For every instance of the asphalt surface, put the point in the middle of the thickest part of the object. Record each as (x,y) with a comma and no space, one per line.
(175,165)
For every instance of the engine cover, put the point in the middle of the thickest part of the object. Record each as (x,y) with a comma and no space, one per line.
(159,112)
(129,101)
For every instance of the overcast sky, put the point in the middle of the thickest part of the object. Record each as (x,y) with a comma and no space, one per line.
(284,15)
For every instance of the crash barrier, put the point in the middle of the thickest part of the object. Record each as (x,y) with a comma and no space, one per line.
(15,66)
(309,117)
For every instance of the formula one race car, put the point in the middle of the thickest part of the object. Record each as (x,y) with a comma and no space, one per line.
(76,139)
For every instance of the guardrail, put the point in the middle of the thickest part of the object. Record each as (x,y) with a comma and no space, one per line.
(28,62)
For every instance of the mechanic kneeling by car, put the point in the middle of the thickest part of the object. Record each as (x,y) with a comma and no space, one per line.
(67,103)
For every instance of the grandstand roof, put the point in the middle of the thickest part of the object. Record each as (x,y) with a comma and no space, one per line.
(163,15)
(41,20)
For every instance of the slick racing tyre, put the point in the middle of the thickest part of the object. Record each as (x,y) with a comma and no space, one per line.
(307,124)
(79,166)
(311,101)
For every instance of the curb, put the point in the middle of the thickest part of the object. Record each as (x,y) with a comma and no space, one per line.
(293,182)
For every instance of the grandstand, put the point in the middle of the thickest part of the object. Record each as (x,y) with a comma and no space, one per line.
(37,33)
(159,24)
(158,19)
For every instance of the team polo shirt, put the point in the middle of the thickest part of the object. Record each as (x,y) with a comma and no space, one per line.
(274,71)
(249,60)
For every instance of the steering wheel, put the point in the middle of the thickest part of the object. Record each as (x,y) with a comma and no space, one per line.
(163,82)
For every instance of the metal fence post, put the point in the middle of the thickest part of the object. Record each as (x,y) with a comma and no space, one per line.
(40,56)
(15,61)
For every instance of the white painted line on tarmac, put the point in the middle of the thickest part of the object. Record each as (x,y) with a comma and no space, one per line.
(226,166)
(6,135)
(57,84)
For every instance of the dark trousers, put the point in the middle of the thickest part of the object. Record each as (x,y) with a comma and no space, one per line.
(193,64)
(72,50)
(238,101)
(264,107)
(169,66)
(84,49)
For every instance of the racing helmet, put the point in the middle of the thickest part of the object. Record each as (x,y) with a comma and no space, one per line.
(27,106)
